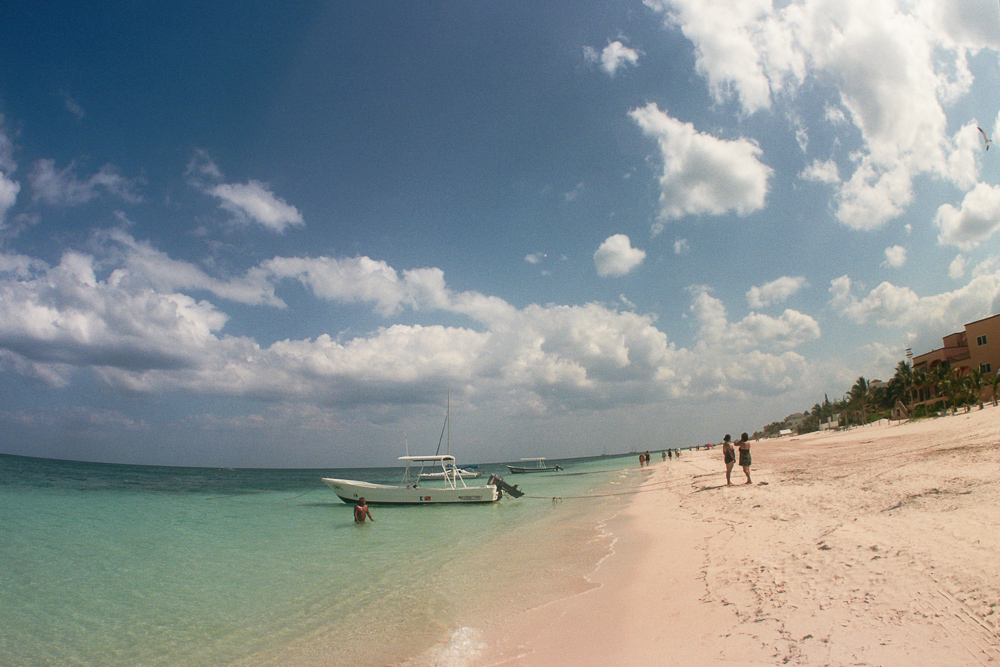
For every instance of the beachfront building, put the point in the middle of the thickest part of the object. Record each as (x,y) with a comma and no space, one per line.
(954,354)
(984,344)
(978,346)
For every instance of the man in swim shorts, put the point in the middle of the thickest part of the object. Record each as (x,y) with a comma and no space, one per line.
(361,511)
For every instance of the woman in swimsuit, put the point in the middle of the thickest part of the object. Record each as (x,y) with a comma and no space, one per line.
(729,457)
(745,455)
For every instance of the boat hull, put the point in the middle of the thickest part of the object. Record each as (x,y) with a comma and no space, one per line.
(519,469)
(382,494)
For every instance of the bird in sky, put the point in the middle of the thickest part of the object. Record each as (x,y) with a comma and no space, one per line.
(986,139)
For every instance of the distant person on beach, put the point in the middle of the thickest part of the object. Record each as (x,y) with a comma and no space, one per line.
(670,453)
(729,456)
(745,455)
(361,512)
(642,460)
(647,457)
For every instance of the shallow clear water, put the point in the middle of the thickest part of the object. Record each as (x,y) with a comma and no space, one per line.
(133,565)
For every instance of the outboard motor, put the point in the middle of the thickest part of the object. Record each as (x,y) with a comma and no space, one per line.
(502,486)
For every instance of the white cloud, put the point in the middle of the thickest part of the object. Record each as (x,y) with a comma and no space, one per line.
(63,188)
(65,315)
(8,187)
(896,306)
(775,291)
(617,257)
(755,330)
(681,246)
(821,172)
(364,280)
(578,191)
(256,202)
(956,269)
(614,57)
(202,168)
(895,256)
(145,267)
(743,49)
(8,196)
(986,267)
(132,328)
(534,257)
(73,106)
(894,68)
(703,174)
(976,220)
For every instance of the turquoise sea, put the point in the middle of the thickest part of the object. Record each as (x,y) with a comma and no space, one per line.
(134,565)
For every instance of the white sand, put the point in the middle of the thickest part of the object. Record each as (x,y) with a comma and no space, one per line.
(876,546)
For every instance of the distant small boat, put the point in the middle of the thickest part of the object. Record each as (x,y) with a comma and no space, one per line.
(411,493)
(539,466)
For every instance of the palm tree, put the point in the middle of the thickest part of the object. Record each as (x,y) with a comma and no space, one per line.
(974,382)
(994,382)
(902,381)
(859,396)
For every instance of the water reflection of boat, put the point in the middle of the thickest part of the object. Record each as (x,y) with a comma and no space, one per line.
(409,491)
(539,465)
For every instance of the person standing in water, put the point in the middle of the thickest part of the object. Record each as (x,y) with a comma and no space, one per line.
(745,455)
(361,512)
(729,456)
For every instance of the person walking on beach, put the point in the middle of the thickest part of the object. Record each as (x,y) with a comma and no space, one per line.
(729,456)
(745,455)
(361,512)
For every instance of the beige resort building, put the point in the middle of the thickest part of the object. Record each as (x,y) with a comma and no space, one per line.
(978,346)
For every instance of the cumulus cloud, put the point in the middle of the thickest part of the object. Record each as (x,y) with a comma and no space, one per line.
(975,221)
(890,305)
(821,172)
(789,330)
(681,246)
(895,68)
(614,57)
(255,203)
(126,319)
(775,291)
(202,169)
(364,280)
(617,257)
(144,266)
(956,269)
(73,106)
(63,188)
(65,315)
(703,174)
(895,256)
(8,186)
(8,195)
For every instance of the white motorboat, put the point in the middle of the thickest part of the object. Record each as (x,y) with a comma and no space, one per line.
(534,464)
(409,492)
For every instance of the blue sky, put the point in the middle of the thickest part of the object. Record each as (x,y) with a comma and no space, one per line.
(281,235)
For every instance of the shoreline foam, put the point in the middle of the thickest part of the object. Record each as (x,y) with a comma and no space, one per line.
(873,546)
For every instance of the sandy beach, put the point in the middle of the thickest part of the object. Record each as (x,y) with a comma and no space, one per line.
(874,546)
